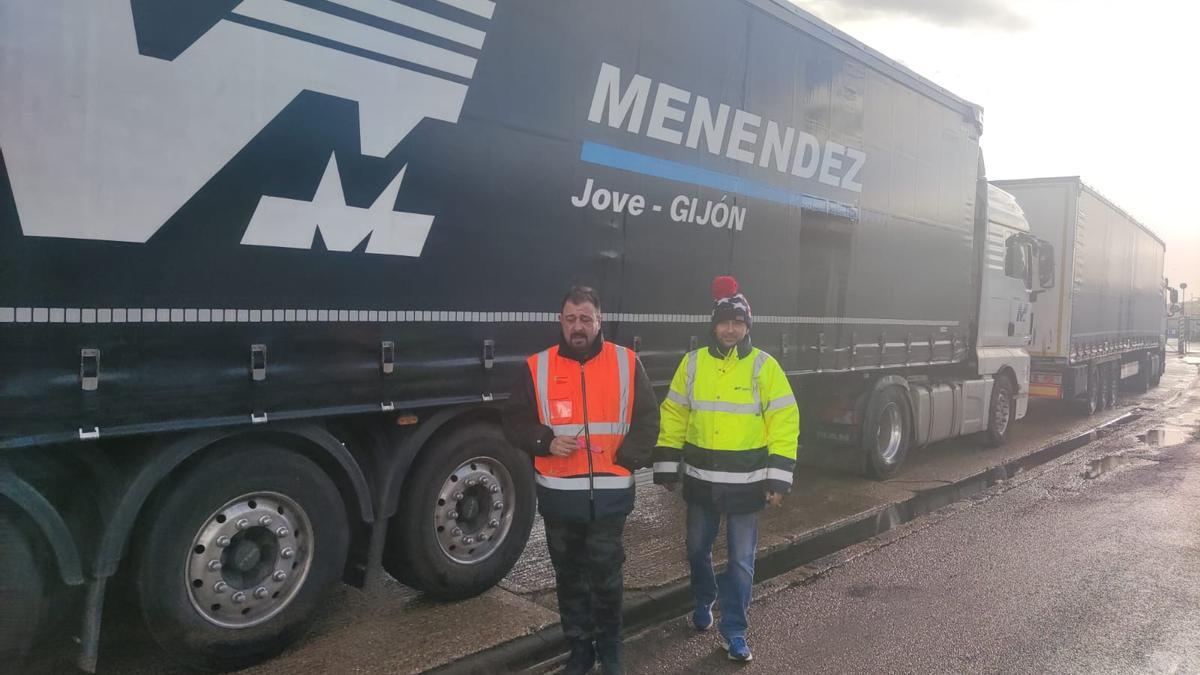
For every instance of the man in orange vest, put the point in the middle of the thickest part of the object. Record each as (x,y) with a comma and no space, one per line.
(585,410)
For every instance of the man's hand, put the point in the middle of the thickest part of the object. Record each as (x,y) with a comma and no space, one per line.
(774,498)
(563,446)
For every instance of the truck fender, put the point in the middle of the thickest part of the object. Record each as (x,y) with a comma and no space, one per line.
(162,459)
(882,383)
(48,521)
(396,467)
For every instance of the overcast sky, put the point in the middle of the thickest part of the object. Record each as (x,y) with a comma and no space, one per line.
(1103,89)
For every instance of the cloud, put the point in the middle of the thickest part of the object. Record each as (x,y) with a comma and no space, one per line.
(996,14)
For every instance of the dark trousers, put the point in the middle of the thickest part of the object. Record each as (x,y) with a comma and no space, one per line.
(588,559)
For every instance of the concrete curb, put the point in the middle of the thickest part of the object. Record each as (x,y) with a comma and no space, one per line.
(647,607)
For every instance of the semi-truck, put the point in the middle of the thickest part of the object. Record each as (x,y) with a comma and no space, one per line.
(1104,328)
(267,269)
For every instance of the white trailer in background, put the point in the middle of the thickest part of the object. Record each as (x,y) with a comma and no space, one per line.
(1104,323)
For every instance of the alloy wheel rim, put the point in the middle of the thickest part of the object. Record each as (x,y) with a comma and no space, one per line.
(890,433)
(474,510)
(249,560)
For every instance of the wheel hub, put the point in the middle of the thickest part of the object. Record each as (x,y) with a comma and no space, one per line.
(890,433)
(474,510)
(245,556)
(249,559)
(469,510)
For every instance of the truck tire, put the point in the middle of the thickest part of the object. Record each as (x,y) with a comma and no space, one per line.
(1160,367)
(1141,382)
(464,516)
(23,589)
(1095,398)
(887,433)
(233,558)
(1104,384)
(1112,383)
(1001,411)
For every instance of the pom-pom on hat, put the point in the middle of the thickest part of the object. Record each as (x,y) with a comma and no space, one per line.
(724,287)
(728,303)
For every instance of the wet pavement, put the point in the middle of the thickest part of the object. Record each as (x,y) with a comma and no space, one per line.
(392,629)
(1087,564)
(827,490)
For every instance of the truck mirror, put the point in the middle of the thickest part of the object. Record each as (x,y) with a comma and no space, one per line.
(1018,260)
(1174,296)
(1045,266)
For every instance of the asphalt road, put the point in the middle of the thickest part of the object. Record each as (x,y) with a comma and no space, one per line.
(1090,564)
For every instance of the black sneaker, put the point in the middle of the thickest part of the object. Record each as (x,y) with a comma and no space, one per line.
(610,656)
(582,658)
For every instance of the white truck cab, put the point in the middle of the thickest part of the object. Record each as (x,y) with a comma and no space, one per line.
(1015,268)
(1014,272)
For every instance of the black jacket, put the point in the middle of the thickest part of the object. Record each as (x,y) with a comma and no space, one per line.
(525,431)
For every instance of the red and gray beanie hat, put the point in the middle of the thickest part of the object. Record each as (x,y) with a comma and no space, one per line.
(728,303)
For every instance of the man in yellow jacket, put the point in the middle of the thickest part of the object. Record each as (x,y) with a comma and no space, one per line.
(729,426)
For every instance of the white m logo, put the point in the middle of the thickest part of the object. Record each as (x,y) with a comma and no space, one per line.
(102,142)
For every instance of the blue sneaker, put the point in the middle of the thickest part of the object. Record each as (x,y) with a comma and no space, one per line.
(702,617)
(738,649)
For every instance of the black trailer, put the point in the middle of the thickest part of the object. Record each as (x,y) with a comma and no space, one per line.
(268,267)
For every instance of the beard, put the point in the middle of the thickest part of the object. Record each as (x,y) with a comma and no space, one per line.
(728,341)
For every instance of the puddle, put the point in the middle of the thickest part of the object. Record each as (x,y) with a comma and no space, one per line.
(1099,467)
(1059,449)
(1162,438)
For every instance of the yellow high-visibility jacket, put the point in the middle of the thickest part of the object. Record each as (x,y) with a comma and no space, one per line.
(730,426)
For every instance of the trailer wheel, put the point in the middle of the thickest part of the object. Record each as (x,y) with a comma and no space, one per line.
(465,515)
(1112,382)
(235,556)
(1104,384)
(1095,399)
(23,589)
(1001,411)
(1141,383)
(1160,365)
(887,433)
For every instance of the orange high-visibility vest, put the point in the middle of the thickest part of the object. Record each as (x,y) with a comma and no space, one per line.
(598,395)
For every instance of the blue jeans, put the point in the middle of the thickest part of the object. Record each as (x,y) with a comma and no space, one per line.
(733,586)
